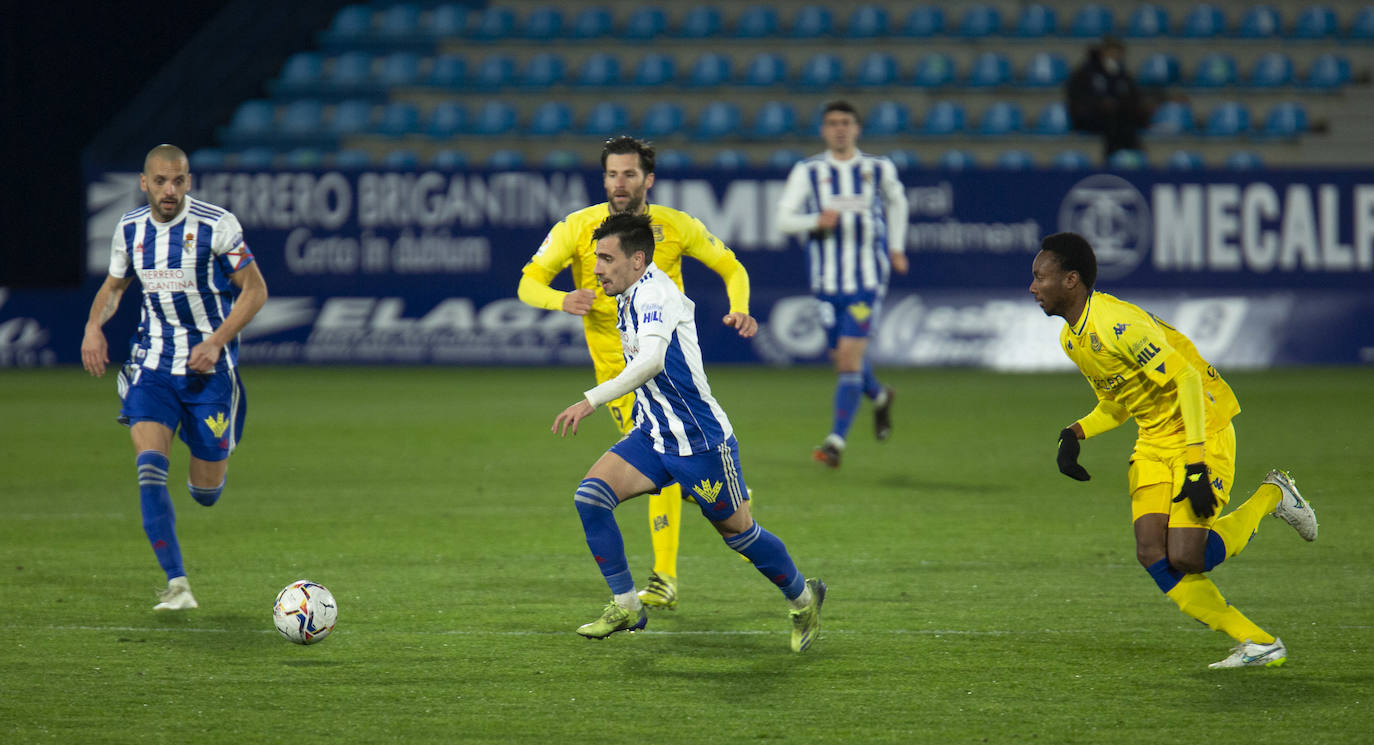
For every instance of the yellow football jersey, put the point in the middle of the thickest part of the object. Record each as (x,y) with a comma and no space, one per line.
(1131,357)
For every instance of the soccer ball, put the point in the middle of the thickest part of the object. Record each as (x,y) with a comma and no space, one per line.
(305,612)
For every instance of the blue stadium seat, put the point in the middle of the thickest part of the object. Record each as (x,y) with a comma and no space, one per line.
(1092,21)
(943,118)
(352,158)
(1244,160)
(1045,70)
(821,71)
(495,23)
(1185,160)
(400,21)
(544,70)
(561,159)
(662,118)
(1127,160)
(1215,70)
(888,119)
(1204,21)
(401,159)
(1015,160)
(980,20)
(904,159)
(1036,20)
(303,157)
(1362,26)
(867,22)
(301,72)
(1172,118)
(351,71)
(207,159)
(303,117)
(398,118)
(956,160)
(765,69)
(447,120)
(550,118)
(989,69)
(672,160)
(774,119)
(1052,121)
(495,72)
(646,23)
(600,70)
(450,159)
(730,160)
(812,22)
(1328,72)
(1000,119)
(784,158)
(1148,21)
(505,160)
(253,118)
(352,22)
(448,71)
(1158,69)
(543,23)
(494,118)
(701,22)
(1271,70)
(591,23)
(351,116)
(655,69)
(256,157)
(606,119)
(1315,22)
(924,22)
(933,70)
(876,69)
(757,22)
(1227,119)
(1260,22)
(399,69)
(1072,160)
(447,21)
(709,70)
(1287,119)
(717,120)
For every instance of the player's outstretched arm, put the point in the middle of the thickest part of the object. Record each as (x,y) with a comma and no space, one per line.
(95,353)
(566,422)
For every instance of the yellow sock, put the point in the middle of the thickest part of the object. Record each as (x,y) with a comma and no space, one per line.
(1199,598)
(665,525)
(1238,527)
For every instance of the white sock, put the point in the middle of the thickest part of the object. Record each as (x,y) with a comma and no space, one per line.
(801,601)
(628,600)
(880,400)
(835,440)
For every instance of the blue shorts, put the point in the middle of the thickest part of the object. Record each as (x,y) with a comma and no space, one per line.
(849,315)
(713,479)
(208,410)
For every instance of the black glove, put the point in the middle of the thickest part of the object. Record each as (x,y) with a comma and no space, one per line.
(1068,456)
(1197,489)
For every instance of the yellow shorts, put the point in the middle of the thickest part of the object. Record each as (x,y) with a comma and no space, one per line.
(1154,465)
(608,360)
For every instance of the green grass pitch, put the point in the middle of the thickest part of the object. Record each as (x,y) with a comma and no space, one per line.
(976,595)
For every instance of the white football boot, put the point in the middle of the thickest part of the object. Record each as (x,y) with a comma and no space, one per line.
(177,596)
(1293,509)
(1250,654)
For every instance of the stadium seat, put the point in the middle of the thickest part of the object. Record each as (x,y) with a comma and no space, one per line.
(1185,160)
(1215,70)
(956,160)
(655,69)
(302,117)
(494,118)
(812,22)
(352,158)
(351,71)
(888,119)
(448,71)
(646,23)
(701,22)
(256,157)
(1092,21)
(450,159)
(1127,160)
(447,21)
(765,69)
(561,159)
(1271,70)
(543,23)
(867,22)
(757,22)
(1204,21)
(1286,120)
(1172,118)
(301,72)
(1036,20)
(448,119)
(717,120)
(730,160)
(876,69)
(980,20)
(352,22)
(606,119)
(1260,22)
(1328,72)
(1227,119)
(1362,26)
(933,70)
(1148,21)
(820,72)
(1015,160)
(672,160)
(591,23)
(398,118)
(399,69)
(1072,160)
(709,70)
(905,160)
(496,71)
(989,69)
(253,118)
(1000,119)
(399,22)
(943,118)
(304,157)
(544,70)
(600,70)
(774,119)
(784,158)
(1315,22)
(550,118)
(1158,69)
(1052,121)
(495,23)
(662,118)
(401,159)
(1045,70)
(923,22)
(505,160)
(207,159)
(352,116)
(1244,160)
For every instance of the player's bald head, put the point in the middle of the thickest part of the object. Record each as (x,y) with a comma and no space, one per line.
(167,153)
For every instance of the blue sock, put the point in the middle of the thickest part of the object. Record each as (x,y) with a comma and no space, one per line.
(159,521)
(847,393)
(595,501)
(871,385)
(770,557)
(1164,574)
(206,495)
(1215,552)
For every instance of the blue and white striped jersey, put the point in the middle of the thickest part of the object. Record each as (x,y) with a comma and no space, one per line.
(873,218)
(184,266)
(674,408)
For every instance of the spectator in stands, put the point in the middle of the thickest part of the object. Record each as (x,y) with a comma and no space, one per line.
(1103,98)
